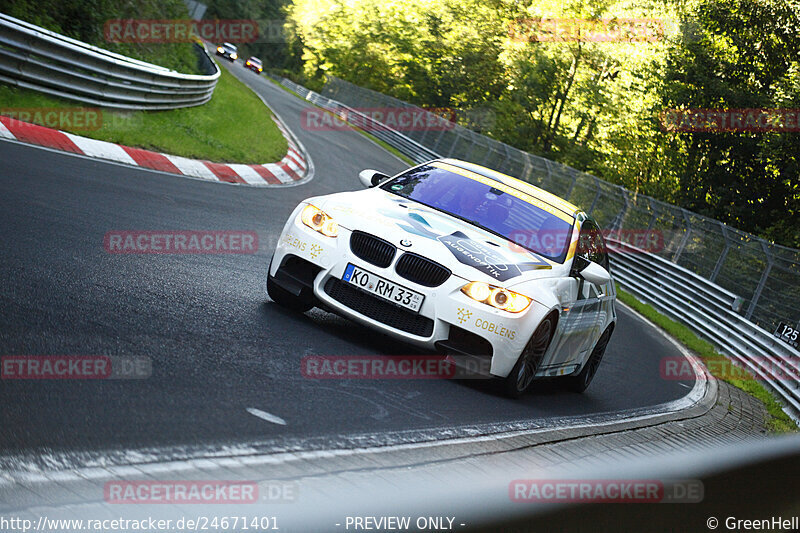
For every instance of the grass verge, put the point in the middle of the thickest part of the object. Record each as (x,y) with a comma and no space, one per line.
(233,127)
(779,422)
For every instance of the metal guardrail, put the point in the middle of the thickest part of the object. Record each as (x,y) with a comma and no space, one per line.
(35,58)
(403,143)
(673,286)
(708,309)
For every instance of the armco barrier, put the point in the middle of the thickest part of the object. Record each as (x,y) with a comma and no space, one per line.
(731,287)
(403,143)
(35,58)
(708,309)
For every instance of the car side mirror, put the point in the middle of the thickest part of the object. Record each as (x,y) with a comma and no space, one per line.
(370,178)
(594,273)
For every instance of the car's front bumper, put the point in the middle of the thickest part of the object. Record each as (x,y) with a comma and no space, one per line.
(448,320)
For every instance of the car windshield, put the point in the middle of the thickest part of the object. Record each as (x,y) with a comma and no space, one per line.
(490,205)
(229,46)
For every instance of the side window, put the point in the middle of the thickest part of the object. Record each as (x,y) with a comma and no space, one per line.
(591,244)
(603,252)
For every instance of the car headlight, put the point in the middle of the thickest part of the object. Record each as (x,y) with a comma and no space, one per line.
(498,297)
(219,49)
(315,219)
(234,56)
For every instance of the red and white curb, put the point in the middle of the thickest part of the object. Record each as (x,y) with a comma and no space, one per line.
(293,169)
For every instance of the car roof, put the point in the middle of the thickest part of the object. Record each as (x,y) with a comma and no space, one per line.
(522,186)
(229,45)
(254,58)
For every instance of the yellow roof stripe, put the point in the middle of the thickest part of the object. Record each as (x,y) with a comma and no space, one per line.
(541,203)
(548,197)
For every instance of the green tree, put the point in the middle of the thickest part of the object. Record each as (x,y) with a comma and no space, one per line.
(593,105)
(743,54)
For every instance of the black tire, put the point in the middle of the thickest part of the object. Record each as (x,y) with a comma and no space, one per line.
(524,372)
(580,381)
(284,298)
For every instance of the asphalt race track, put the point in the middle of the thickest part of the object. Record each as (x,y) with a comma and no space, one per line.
(218,345)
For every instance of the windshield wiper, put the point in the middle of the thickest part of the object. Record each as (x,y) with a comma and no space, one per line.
(478,224)
(481,226)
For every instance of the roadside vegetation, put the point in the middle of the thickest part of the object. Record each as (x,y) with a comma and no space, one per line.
(779,422)
(234,126)
(85,21)
(597,106)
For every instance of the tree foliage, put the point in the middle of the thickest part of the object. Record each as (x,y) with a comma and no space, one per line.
(592,105)
(743,54)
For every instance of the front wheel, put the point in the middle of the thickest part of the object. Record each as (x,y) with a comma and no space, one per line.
(580,381)
(523,373)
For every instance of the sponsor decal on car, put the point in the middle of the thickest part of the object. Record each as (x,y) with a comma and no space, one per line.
(485,258)
(497,329)
(465,249)
(313,249)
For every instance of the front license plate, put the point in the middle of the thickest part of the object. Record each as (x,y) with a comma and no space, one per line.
(388,290)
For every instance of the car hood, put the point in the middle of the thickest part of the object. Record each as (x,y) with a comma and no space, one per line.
(469,252)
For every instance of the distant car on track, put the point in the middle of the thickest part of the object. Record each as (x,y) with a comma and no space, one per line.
(228,51)
(254,64)
(458,258)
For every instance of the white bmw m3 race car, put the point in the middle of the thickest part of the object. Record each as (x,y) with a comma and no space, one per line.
(460,259)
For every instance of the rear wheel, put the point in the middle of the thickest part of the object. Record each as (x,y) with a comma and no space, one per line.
(284,298)
(523,373)
(580,381)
